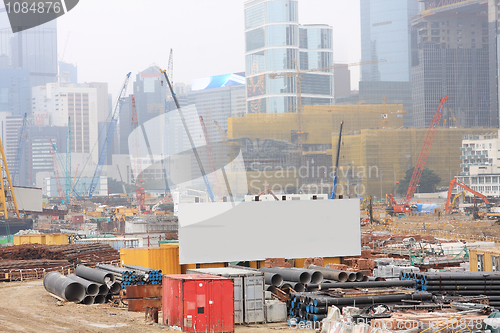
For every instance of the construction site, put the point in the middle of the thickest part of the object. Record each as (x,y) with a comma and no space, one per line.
(325,218)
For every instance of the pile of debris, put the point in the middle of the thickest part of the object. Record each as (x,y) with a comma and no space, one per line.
(33,261)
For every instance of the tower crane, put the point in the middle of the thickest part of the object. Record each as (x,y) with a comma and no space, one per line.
(19,151)
(335,179)
(404,207)
(297,75)
(109,137)
(188,133)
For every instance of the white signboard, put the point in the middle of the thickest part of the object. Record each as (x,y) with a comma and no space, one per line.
(246,231)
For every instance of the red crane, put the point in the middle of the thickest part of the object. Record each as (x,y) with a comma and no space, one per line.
(404,207)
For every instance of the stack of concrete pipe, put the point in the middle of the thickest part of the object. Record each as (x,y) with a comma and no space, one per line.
(290,279)
(87,286)
(340,276)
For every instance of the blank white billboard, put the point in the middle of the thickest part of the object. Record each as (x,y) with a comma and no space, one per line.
(245,231)
(28,198)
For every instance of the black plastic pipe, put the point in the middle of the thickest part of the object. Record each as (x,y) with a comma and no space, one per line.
(61,286)
(91,288)
(462,282)
(95,275)
(329,273)
(460,288)
(369,284)
(290,274)
(375,299)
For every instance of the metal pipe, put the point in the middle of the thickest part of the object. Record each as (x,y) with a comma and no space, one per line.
(329,273)
(111,268)
(373,299)
(100,299)
(109,298)
(360,276)
(273,279)
(462,282)
(88,300)
(93,274)
(316,276)
(91,288)
(459,287)
(365,278)
(290,274)
(61,286)
(370,284)
(272,289)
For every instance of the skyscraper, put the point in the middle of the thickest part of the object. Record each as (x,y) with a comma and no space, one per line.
(276,43)
(386,36)
(34,49)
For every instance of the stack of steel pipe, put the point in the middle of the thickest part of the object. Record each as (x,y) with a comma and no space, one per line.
(314,306)
(133,275)
(289,279)
(458,283)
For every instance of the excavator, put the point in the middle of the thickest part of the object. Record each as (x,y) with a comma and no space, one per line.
(454,182)
(456,198)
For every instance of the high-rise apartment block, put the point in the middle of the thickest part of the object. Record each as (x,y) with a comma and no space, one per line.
(275,42)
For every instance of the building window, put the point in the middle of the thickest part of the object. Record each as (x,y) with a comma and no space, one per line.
(494,263)
(480,262)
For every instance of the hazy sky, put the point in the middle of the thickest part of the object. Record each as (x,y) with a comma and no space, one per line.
(108,38)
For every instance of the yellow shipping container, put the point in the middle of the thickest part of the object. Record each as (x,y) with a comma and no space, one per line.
(164,258)
(332,260)
(49,239)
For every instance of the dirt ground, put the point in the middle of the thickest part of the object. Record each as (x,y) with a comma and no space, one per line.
(27,307)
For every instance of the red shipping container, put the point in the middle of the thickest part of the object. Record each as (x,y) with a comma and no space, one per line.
(198,303)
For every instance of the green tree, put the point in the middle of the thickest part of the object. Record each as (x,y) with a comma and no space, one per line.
(428,181)
(116,186)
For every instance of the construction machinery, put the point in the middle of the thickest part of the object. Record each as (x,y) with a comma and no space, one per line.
(455,182)
(335,178)
(456,198)
(404,206)
(109,137)
(188,133)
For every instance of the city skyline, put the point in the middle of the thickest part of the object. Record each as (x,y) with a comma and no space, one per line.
(198,33)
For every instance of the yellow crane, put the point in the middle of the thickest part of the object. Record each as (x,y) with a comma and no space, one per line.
(8,202)
(297,74)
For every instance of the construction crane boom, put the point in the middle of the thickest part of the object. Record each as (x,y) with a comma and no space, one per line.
(334,192)
(424,152)
(19,151)
(193,147)
(7,197)
(109,137)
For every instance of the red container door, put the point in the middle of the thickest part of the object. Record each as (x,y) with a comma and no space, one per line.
(195,306)
(221,306)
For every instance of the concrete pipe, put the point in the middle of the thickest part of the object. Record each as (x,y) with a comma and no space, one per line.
(329,273)
(91,288)
(88,300)
(273,279)
(103,289)
(61,286)
(289,274)
(95,275)
(100,299)
(297,286)
(114,289)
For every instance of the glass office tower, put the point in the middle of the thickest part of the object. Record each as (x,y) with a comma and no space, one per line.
(386,34)
(276,44)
